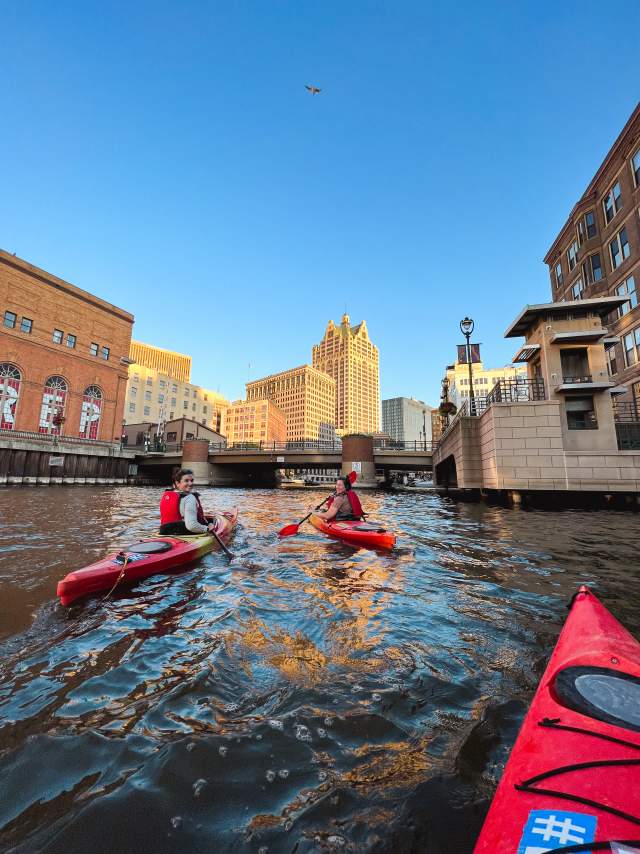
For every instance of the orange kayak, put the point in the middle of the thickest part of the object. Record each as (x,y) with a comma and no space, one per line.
(369,535)
(139,560)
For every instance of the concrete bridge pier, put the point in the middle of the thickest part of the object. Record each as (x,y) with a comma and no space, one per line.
(357,455)
(195,456)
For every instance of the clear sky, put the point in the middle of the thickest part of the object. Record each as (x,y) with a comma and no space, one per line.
(167,157)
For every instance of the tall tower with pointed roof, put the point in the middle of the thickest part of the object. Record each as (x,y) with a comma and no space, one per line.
(347,354)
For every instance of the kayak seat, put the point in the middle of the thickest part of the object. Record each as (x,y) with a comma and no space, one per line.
(150,547)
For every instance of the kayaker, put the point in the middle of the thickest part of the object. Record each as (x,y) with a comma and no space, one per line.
(180,508)
(344,506)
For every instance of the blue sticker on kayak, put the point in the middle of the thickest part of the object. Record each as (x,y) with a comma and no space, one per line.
(548,830)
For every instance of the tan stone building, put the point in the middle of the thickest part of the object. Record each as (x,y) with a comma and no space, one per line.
(597,253)
(347,354)
(254,422)
(174,365)
(484,379)
(63,356)
(306,396)
(157,397)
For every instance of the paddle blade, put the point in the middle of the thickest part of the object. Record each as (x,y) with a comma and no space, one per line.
(289,531)
(353,476)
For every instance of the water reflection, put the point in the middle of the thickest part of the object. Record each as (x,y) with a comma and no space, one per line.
(305,696)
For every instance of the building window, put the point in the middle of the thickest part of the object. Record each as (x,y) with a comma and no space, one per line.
(57,336)
(631,347)
(592,269)
(10,378)
(90,412)
(619,248)
(578,289)
(572,255)
(26,325)
(149,381)
(105,353)
(581,414)
(173,401)
(185,404)
(93,348)
(612,202)
(52,408)
(612,361)
(204,410)
(71,341)
(628,287)
(162,383)
(160,398)
(133,391)
(10,319)
(132,407)
(147,395)
(193,407)
(574,362)
(194,393)
(635,168)
(171,437)
(171,415)
(587,227)
(147,411)
(558,273)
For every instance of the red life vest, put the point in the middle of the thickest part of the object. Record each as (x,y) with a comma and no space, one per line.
(354,501)
(170,507)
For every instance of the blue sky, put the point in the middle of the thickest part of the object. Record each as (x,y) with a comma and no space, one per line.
(167,157)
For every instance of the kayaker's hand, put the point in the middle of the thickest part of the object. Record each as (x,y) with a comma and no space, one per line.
(211,527)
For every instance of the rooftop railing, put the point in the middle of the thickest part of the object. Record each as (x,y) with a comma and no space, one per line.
(517,391)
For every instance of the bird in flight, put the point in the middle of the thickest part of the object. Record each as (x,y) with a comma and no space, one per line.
(313,89)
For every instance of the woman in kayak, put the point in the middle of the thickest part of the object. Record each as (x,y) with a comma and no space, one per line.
(344,506)
(180,508)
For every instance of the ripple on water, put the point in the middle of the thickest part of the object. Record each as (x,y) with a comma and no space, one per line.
(295,696)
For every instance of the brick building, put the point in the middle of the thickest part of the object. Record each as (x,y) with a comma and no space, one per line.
(306,396)
(254,421)
(64,355)
(597,253)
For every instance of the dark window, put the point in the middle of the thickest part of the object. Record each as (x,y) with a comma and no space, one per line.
(575,365)
(93,348)
(71,341)
(572,255)
(581,414)
(57,336)
(26,325)
(635,167)
(612,361)
(171,414)
(171,437)
(105,353)
(590,223)
(189,436)
(612,202)
(628,287)
(592,269)
(619,248)
(10,319)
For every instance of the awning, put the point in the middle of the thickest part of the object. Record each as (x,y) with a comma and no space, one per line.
(580,336)
(526,353)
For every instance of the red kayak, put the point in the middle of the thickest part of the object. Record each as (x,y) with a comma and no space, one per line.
(148,557)
(572,782)
(366,534)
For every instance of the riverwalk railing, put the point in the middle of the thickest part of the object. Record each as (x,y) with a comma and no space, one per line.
(54,439)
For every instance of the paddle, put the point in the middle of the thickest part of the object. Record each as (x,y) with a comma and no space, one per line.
(228,553)
(292,530)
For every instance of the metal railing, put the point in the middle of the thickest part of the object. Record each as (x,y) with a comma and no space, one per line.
(55,440)
(585,378)
(327,446)
(418,445)
(626,411)
(517,391)
(628,435)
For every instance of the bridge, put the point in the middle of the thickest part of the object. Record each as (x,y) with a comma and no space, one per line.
(257,464)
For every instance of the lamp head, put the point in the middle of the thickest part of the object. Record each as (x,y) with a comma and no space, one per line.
(466,326)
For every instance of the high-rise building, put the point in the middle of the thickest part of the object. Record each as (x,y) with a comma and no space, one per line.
(157,397)
(174,365)
(484,379)
(597,253)
(63,356)
(347,354)
(254,421)
(306,396)
(406,419)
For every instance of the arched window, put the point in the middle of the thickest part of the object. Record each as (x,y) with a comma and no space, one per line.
(9,392)
(54,398)
(90,414)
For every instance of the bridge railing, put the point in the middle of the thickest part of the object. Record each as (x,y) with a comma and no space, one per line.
(417,445)
(327,447)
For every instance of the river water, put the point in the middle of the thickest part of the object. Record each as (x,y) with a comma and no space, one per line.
(303,697)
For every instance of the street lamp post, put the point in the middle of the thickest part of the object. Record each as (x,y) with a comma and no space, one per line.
(466,327)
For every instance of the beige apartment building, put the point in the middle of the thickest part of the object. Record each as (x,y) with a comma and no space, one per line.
(484,379)
(254,422)
(347,354)
(174,365)
(597,254)
(306,396)
(157,397)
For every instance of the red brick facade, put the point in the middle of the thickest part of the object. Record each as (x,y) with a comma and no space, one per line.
(50,329)
(597,253)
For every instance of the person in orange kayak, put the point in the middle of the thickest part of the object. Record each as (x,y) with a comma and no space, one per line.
(180,508)
(344,506)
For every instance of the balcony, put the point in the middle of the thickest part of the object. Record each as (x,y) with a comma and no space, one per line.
(583,382)
(517,391)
